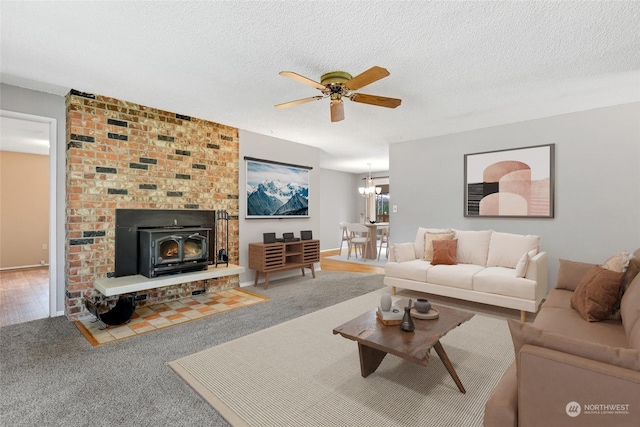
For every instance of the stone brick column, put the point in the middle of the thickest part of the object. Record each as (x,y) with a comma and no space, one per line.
(122,155)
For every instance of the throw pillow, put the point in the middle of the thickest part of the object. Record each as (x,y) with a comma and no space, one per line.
(444,252)
(523,263)
(522,333)
(624,261)
(404,252)
(428,245)
(419,242)
(618,262)
(597,294)
(571,273)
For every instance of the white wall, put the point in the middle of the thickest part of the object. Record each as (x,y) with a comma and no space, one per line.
(597,192)
(339,202)
(42,104)
(268,148)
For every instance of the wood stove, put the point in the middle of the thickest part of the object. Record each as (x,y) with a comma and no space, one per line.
(171,250)
(136,228)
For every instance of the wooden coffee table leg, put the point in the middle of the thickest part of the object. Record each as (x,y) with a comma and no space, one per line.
(370,359)
(447,363)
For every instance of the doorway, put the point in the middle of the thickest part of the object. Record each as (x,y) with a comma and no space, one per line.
(28,267)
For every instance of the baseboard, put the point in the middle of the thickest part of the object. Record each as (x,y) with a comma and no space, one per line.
(22,267)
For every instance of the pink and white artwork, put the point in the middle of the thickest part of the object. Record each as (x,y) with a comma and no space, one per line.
(512,183)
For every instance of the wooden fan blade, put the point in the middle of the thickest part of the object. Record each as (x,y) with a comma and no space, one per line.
(373,74)
(380,101)
(337,110)
(298,102)
(297,77)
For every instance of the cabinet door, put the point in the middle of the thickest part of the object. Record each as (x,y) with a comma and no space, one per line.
(311,251)
(265,257)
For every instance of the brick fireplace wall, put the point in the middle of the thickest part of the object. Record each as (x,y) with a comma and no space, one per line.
(122,155)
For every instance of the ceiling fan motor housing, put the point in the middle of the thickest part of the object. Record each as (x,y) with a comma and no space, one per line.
(335,77)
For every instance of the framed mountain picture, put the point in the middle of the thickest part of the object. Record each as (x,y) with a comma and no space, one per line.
(276,190)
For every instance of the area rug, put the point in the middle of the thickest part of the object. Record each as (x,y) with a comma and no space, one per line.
(359,260)
(298,373)
(159,316)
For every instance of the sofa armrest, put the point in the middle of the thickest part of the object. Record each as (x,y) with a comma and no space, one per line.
(537,270)
(550,382)
(501,410)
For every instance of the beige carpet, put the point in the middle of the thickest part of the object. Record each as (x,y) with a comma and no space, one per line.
(299,374)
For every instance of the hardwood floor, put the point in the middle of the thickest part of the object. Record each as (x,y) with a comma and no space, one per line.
(331,265)
(24,295)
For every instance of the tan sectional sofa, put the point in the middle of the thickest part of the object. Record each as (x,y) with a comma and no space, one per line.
(570,371)
(501,269)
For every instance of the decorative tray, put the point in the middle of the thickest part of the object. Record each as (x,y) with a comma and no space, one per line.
(432,314)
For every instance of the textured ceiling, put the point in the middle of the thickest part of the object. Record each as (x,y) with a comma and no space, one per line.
(456,66)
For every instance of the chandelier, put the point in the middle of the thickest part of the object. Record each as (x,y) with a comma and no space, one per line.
(370,187)
(370,192)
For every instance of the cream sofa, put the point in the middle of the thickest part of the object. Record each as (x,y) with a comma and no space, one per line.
(569,371)
(501,269)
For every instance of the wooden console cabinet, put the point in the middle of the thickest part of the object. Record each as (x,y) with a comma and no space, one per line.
(266,258)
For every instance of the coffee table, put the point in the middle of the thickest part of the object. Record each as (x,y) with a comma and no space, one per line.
(375,339)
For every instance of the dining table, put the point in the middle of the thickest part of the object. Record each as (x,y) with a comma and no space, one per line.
(372,247)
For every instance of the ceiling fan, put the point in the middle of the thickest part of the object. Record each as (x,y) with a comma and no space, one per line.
(337,85)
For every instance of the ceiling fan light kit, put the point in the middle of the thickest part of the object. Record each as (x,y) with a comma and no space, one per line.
(340,84)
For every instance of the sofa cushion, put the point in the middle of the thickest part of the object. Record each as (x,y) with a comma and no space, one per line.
(428,242)
(571,273)
(455,276)
(505,249)
(503,281)
(444,252)
(473,246)
(597,293)
(522,333)
(410,270)
(558,298)
(567,321)
(403,252)
(630,307)
(419,242)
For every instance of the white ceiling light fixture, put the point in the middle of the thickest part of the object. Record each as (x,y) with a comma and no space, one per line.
(369,192)
(370,187)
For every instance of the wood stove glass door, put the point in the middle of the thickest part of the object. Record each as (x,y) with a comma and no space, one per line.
(167,250)
(195,247)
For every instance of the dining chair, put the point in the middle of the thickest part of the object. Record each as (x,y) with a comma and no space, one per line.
(359,238)
(384,239)
(346,237)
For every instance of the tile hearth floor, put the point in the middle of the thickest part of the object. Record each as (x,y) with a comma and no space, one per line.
(163,315)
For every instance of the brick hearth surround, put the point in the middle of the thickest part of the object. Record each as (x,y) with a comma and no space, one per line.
(122,155)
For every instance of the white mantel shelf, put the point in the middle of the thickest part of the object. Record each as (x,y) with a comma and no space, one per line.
(109,286)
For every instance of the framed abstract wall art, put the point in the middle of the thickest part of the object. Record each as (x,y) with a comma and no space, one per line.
(510,183)
(276,190)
